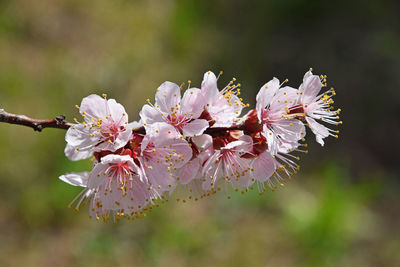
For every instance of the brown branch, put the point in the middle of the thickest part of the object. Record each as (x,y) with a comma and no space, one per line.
(58,122)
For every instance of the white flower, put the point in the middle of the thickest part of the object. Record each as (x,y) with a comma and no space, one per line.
(226,162)
(183,113)
(116,186)
(270,117)
(224,106)
(105,127)
(317,106)
(163,151)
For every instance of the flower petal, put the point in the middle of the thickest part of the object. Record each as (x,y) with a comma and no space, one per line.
(75,155)
(310,88)
(209,86)
(150,114)
(168,96)
(195,127)
(264,166)
(75,178)
(318,129)
(189,171)
(117,112)
(202,141)
(93,106)
(193,102)
(265,95)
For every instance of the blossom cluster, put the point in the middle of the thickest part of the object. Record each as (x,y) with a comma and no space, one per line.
(196,140)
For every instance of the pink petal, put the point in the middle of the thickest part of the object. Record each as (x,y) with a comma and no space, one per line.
(202,141)
(195,127)
(149,114)
(117,112)
(285,97)
(310,88)
(158,175)
(94,106)
(265,95)
(189,171)
(209,86)
(78,135)
(193,102)
(264,166)
(168,96)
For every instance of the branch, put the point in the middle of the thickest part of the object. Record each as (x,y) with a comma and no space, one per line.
(58,122)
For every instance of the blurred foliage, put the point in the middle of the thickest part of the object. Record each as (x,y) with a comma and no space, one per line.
(340,210)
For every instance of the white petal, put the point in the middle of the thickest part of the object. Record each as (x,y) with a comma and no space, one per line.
(168,96)
(122,139)
(134,124)
(318,129)
(195,127)
(150,114)
(159,133)
(290,130)
(202,141)
(265,95)
(244,144)
(307,74)
(209,86)
(189,171)
(94,106)
(193,102)
(75,178)
(74,155)
(115,159)
(264,166)
(97,176)
(310,88)
(284,97)
(158,175)
(78,135)
(117,112)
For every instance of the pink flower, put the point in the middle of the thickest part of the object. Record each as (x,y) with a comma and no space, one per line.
(105,127)
(163,152)
(183,113)
(273,170)
(223,106)
(115,186)
(317,106)
(227,163)
(270,117)
(193,169)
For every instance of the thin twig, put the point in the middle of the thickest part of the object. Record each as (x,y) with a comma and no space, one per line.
(58,122)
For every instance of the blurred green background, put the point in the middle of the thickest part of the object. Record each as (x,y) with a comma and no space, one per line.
(342,209)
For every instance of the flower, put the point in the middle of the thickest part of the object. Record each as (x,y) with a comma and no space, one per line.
(183,113)
(195,144)
(227,162)
(317,106)
(270,117)
(224,106)
(163,152)
(105,127)
(116,186)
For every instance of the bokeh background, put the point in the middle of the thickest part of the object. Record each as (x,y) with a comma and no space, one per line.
(342,209)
